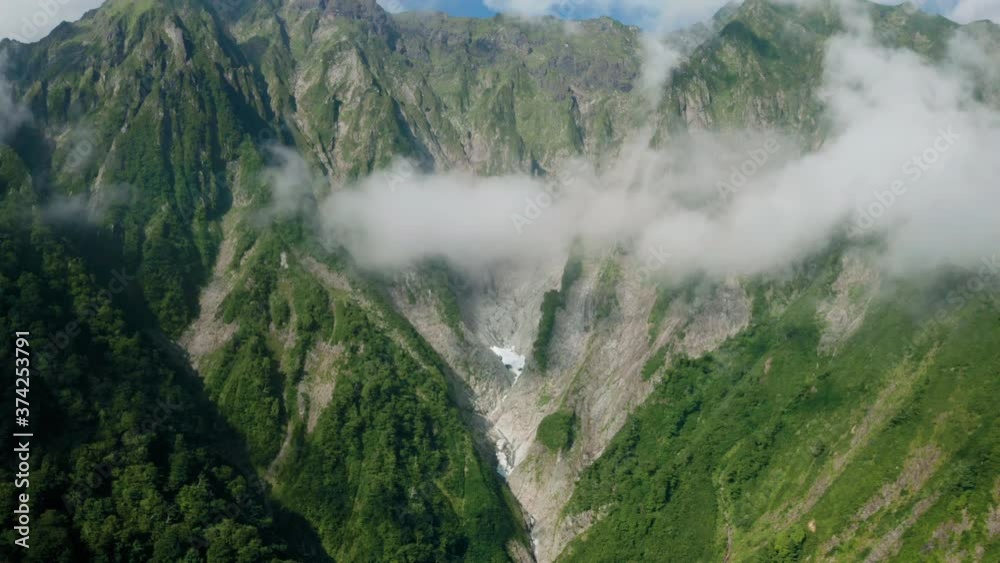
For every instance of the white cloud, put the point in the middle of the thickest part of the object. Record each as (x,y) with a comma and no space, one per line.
(910,158)
(655,14)
(972,10)
(659,15)
(86,209)
(961,11)
(28,21)
(12,113)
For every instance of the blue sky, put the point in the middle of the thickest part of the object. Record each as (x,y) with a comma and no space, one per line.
(662,13)
(581,9)
(30,20)
(465,8)
(631,12)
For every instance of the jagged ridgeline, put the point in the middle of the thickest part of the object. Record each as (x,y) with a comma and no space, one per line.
(211,383)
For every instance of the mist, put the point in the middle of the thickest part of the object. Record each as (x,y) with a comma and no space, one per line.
(910,162)
(12,114)
(86,209)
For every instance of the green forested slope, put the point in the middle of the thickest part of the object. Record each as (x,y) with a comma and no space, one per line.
(151,114)
(130,461)
(323,426)
(389,473)
(142,461)
(769,450)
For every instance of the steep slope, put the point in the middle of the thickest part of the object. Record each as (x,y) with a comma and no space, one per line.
(764,67)
(771,449)
(492,95)
(594,372)
(733,419)
(346,411)
(762,70)
(129,458)
(148,127)
(121,105)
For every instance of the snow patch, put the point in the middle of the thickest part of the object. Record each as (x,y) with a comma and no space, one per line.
(511,359)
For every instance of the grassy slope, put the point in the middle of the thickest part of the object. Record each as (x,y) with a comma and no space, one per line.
(766,439)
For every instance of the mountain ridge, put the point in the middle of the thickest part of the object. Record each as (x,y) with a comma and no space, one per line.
(369,405)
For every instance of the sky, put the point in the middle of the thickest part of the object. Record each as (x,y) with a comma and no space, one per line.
(30,20)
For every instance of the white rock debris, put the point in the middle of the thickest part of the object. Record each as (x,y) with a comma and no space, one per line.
(505,456)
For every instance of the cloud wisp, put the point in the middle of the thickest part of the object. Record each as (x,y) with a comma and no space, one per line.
(911,150)
(12,113)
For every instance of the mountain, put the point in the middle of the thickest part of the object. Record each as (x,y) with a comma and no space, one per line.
(216,379)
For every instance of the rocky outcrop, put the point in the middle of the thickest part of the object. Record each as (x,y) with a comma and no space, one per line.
(595,369)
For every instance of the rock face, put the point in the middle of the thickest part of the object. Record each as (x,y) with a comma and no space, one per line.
(595,369)
(352,87)
(855,289)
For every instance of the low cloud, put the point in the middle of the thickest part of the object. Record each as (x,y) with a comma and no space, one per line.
(659,60)
(965,11)
(86,209)
(654,15)
(12,113)
(294,184)
(909,160)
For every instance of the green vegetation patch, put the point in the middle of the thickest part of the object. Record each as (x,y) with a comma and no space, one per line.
(735,443)
(556,431)
(552,302)
(605,295)
(655,363)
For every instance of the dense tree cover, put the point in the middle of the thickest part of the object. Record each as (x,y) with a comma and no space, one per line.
(129,460)
(164,134)
(389,473)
